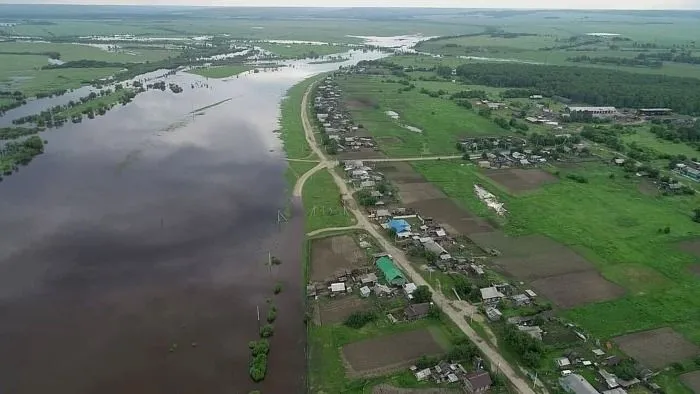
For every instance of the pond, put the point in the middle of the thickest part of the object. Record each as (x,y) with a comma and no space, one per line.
(133,251)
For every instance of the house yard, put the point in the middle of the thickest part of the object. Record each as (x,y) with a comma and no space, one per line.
(378,356)
(657,348)
(692,380)
(388,389)
(518,180)
(337,310)
(331,255)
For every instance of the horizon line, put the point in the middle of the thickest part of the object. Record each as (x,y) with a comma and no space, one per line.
(525,8)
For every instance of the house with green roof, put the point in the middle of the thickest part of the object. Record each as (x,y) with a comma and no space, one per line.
(392,274)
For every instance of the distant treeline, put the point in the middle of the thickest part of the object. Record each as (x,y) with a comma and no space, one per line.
(52,55)
(618,61)
(86,64)
(590,85)
(671,56)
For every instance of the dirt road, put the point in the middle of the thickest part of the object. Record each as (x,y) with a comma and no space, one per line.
(458,310)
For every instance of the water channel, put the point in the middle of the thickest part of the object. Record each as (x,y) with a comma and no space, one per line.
(133,251)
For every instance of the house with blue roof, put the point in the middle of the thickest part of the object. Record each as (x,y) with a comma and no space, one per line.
(399,226)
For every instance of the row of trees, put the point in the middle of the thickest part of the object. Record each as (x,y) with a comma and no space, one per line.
(618,61)
(681,133)
(590,85)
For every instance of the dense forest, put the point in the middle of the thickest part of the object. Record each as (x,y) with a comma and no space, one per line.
(591,85)
(618,61)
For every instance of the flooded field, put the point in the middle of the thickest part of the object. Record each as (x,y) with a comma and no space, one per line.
(133,251)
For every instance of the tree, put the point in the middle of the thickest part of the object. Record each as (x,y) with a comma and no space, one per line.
(360,319)
(267,331)
(431,256)
(278,288)
(422,294)
(696,215)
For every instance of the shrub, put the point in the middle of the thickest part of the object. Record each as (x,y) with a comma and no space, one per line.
(267,331)
(359,319)
(258,367)
(259,347)
(278,288)
(577,178)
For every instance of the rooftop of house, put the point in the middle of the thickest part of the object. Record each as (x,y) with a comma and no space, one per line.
(490,292)
(479,379)
(577,384)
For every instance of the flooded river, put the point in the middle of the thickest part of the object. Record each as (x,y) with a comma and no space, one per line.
(133,251)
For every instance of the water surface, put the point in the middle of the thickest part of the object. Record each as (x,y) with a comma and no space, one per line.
(133,250)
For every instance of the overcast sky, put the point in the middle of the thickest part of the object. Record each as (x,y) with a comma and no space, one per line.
(548,4)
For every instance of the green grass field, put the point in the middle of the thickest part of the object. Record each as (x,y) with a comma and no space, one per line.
(221,71)
(294,51)
(72,52)
(442,121)
(643,137)
(322,203)
(616,227)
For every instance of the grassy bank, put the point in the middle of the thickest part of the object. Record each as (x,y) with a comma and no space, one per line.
(615,226)
(221,71)
(292,129)
(322,203)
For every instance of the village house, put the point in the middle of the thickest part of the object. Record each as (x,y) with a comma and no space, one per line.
(576,384)
(491,296)
(417,311)
(365,291)
(392,274)
(477,382)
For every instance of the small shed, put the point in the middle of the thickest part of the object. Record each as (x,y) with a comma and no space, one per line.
(409,288)
(365,291)
(337,287)
(563,362)
(369,279)
(423,374)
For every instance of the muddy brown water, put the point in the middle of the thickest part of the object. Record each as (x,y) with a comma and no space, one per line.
(132,251)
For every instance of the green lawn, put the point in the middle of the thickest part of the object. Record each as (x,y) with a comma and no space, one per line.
(645,138)
(221,71)
(442,121)
(322,203)
(294,51)
(616,227)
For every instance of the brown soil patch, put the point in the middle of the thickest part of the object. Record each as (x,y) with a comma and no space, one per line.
(454,218)
(648,188)
(577,288)
(334,254)
(360,103)
(388,389)
(401,172)
(657,348)
(410,193)
(694,269)
(379,356)
(337,310)
(557,272)
(520,180)
(691,246)
(692,380)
